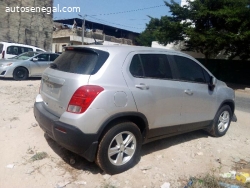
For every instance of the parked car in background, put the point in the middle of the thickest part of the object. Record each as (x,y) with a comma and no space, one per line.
(104,102)
(8,50)
(28,64)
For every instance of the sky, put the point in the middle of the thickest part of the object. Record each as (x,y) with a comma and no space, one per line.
(131,15)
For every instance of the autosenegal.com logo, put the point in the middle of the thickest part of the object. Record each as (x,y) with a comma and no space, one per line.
(47,10)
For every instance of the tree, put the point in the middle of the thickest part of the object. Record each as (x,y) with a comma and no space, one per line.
(210,27)
(147,36)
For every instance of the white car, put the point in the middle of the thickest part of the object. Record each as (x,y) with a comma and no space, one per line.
(28,64)
(9,50)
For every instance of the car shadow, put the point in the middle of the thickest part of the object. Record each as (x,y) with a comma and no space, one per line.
(79,163)
(72,159)
(28,79)
(165,143)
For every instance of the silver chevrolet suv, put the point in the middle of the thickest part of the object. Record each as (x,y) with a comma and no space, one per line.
(104,102)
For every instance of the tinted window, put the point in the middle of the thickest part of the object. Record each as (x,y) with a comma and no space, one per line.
(207,76)
(37,50)
(53,57)
(80,61)
(24,49)
(16,50)
(43,57)
(136,67)
(13,50)
(189,70)
(1,48)
(154,66)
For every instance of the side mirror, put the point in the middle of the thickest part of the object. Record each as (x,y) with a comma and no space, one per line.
(212,83)
(35,59)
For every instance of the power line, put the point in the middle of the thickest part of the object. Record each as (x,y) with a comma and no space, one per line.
(123,12)
(128,11)
(114,23)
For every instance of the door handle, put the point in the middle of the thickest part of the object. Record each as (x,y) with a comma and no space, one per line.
(188,91)
(142,86)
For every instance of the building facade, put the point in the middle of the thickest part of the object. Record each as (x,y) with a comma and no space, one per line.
(32,28)
(94,33)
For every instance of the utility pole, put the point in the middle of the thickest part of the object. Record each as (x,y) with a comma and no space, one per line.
(83,26)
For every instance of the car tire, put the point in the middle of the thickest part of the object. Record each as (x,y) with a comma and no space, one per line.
(119,148)
(221,121)
(20,73)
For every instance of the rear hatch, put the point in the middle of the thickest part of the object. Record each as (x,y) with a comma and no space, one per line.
(66,74)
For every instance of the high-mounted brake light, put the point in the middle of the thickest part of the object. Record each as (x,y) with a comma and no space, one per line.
(70,48)
(82,98)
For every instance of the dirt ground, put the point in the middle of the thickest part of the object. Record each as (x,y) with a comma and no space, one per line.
(171,160)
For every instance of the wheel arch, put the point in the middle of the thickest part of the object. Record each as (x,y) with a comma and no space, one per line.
(138,118)
(21,67)
(230,103)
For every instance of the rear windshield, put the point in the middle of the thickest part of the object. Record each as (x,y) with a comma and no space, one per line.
(1,48)
(80,61)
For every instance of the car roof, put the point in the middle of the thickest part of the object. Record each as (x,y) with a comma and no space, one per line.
(47,53)
(19,44)
(128,49)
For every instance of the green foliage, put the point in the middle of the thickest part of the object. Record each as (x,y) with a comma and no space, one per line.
(39,156)
(147,36)
(207,26)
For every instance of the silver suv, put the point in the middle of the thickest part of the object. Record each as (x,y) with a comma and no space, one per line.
(104,102)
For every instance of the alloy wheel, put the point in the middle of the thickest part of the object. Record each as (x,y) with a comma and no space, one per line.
(223,121)
(122,148)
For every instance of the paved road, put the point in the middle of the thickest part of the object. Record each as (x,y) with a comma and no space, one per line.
(242,100)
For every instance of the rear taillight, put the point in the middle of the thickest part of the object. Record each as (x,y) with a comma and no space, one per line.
(3,53)
(82,98)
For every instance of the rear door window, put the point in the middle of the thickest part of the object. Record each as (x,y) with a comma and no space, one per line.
(136,68)
(80,61)
(151,66)
(1,48)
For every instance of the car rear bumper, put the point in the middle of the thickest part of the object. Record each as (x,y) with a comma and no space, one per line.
(66,135)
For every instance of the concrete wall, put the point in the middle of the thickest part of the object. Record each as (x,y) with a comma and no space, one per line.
(96,35)
(28,28)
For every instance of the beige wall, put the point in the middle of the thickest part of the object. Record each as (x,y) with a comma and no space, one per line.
(27,28)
